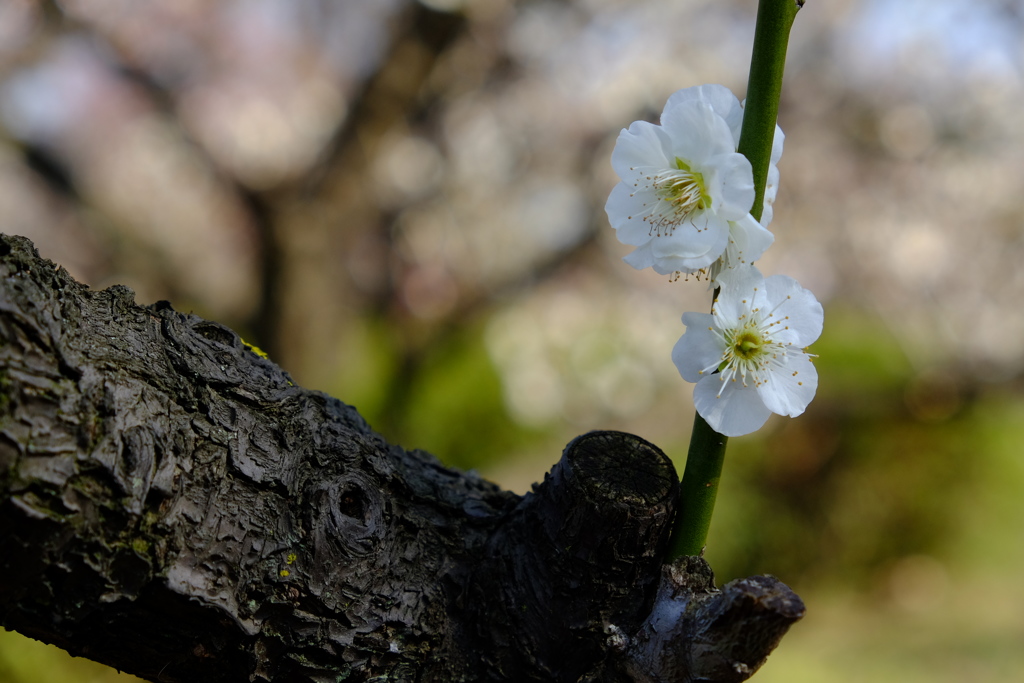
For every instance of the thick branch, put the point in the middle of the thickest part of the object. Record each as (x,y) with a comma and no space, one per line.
(172,505)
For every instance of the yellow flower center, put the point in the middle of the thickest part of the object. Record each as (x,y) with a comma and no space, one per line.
(747,345)
(683,188)
(749,351)
(682,193)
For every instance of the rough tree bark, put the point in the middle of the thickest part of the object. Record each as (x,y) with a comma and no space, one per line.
(171,504)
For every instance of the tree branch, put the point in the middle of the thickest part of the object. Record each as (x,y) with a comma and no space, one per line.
(172,505)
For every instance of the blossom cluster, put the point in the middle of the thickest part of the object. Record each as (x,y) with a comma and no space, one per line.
(684,202)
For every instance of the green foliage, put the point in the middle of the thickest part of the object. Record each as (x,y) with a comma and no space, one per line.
(370,354)
(863,364)
(23,660)
(448,402)
(456,408)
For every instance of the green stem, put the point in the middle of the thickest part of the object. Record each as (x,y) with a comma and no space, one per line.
(764,87)
(698,489)
(704,460)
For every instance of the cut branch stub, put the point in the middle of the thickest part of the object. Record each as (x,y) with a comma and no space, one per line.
(578,557)
(697,633)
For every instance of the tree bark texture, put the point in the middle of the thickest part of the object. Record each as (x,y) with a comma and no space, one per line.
(171,504)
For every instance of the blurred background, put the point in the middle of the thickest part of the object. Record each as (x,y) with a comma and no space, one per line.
(402,203)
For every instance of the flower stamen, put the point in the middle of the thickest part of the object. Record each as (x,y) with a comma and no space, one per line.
(681,193)
(750,354)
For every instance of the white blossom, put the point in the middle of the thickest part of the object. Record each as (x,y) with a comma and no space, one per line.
(748,356)
(682,182)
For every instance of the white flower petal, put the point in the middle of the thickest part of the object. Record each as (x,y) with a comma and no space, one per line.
(703,236)
(666,264)
(641,257)
(778,140)
(731,410)
(771,189)
(730,182)
(638,148)
(750,237)
(748,241)
(735,120)
(697,133)
(691,246)
(698,349)
(625,209)
(790,388)
(744,292)
(721,99)
(669,265)
(804,315)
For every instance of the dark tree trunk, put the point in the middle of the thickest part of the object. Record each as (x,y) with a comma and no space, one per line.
(171,504)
